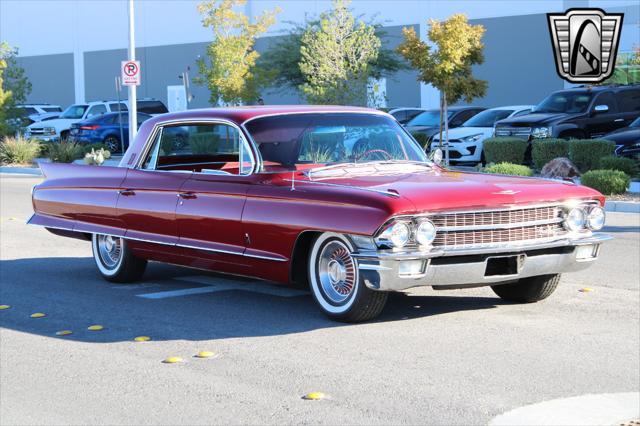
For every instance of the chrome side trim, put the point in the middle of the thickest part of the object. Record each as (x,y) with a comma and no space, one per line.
(379,191)
(145,240)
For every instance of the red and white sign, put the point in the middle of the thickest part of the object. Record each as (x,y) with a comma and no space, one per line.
(130,71)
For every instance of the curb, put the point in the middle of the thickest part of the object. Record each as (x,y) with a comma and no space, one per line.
(33,171)
(622,206)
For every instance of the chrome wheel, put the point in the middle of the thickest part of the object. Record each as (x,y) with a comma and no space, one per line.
(336,272)
(110,251)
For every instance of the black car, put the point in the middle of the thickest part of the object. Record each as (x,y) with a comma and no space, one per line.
(627,140)
(428,122)
(577,113)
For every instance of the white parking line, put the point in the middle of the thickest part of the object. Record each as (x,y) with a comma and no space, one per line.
(214,285)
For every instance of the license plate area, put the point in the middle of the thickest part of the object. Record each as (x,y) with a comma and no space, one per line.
(500,266)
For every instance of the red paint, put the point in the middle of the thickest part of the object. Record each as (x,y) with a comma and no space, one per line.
(235,220)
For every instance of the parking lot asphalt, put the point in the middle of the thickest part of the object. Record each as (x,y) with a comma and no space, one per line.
(433,357)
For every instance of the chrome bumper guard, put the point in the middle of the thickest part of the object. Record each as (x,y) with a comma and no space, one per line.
(472,267)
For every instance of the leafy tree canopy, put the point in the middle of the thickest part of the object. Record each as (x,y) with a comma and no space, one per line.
(230,71)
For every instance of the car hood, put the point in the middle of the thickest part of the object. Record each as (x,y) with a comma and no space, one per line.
(533,119)
(57,123)
(463,132)
(440,189)
(624,136)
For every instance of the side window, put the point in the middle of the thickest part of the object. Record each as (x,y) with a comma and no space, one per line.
(463,116)
(115,107)
(607,99)
(201,148)
(629,100)
(96,110)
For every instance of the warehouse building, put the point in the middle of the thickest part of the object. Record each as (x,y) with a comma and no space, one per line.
(71,49)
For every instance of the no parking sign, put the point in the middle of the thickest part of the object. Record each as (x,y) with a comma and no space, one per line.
(130,71)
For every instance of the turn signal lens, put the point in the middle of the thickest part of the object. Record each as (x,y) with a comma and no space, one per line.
(426,233)
(596,218)
(575,220)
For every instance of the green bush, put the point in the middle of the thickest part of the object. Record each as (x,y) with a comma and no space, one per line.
(508,169)
(586,153)
(87,148)
(545,150)
(18,150)
(64,152)
(203,143)
(422,139)
(505,150)
(623,164)
(608,182)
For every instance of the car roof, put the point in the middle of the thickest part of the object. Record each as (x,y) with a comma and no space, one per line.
(599,88)
(513,107)
(239,115)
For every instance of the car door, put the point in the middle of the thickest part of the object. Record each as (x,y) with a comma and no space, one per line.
(211,201)
(149,194)
(604,116)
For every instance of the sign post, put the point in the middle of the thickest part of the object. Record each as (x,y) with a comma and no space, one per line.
(131,77)
(118,88)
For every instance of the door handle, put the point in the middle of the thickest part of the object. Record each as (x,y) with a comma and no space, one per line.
(187,195)
(127,192)
(617,120)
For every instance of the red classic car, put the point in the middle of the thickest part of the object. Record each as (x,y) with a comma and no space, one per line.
(342,200)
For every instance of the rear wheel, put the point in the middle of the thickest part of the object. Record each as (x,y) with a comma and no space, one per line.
(112,143)
(114,259)
(336,284)
(528,290)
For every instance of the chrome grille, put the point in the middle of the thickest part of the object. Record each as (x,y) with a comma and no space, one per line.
(522,132)
(500,217)
(497,236)
(498,226)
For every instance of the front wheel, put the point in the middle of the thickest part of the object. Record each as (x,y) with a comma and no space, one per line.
(336,284)
(114,259)
(528,290)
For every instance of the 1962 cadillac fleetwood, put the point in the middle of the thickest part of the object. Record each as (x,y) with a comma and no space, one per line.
(339,199)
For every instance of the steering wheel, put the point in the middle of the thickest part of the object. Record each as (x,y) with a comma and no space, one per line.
(374,151)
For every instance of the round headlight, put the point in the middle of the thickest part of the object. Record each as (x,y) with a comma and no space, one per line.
(575,220)
(397,235)
(595,218)
(426,233)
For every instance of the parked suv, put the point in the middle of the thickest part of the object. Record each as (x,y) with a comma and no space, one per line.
(58,129)
(577,113)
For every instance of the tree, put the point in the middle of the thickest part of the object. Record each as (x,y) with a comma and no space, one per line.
(336,57)
(458,46)
(283,57)
(230,72)
(14,88)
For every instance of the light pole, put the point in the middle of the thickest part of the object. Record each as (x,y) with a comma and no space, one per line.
(133,101)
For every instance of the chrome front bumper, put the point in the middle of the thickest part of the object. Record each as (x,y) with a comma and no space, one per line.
(470,267)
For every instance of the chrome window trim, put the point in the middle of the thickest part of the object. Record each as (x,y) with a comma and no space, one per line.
(157,127)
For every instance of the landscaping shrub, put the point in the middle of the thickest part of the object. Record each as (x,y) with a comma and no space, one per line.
(422,139)
(586,153)
(545,150)
(96,157)
(87,148)
(505,150)
(64,152)
(509,169)
(608,182)
(18,150)
(623,164)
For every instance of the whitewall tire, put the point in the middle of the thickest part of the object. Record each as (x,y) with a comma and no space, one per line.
(114,259)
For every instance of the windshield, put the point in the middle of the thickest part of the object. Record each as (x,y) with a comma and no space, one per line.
(635,123)
(428,118)
(487,118)
(289,141)
(74,111)
(569,102)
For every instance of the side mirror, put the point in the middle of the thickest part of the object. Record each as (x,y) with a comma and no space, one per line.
(436,156)
(599,109)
